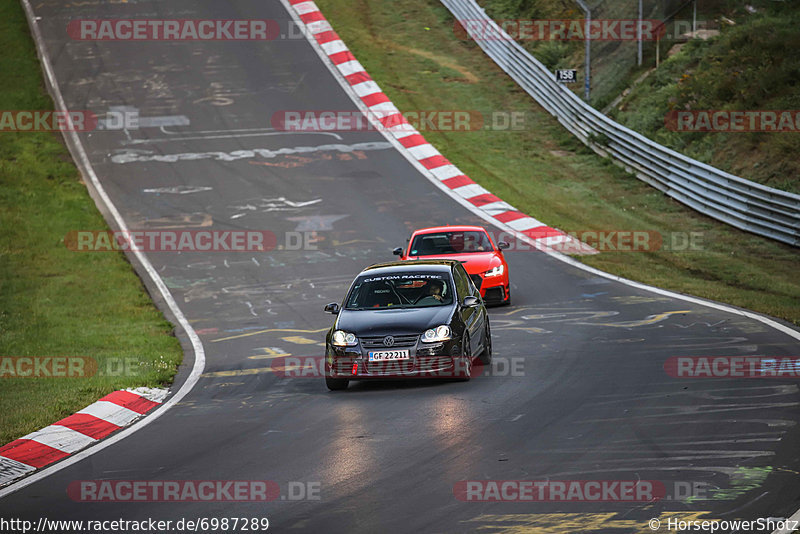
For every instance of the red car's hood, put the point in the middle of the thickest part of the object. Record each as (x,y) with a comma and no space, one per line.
(474,262)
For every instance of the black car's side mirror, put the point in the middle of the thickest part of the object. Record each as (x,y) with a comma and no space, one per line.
(398,251)
(332,308)
(502,245)
(470,302)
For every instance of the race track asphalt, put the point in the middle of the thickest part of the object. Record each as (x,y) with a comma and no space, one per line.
(588,399)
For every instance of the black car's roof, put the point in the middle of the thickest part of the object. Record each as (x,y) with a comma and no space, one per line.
(414,265)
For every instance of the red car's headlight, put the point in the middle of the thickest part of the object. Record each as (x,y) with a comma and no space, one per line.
(497,271)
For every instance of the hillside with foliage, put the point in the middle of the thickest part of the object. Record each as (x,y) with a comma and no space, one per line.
(752,64)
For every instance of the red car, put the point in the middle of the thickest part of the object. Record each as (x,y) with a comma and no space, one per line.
(474,248)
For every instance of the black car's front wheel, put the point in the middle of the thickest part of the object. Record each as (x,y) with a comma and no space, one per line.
(486,355)
(336,384)
(465,366)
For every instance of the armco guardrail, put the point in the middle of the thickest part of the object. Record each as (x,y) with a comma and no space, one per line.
(739,202)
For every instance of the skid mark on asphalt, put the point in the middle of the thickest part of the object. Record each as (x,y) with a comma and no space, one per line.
(698,409)
(638,299)
(650,319)
(336,243)
(95,3)
(237,372)
(231,134)
(293,162)
(259,332)
(178,190)
(743,479)
(573,317)
(185,220)
(269,353)
(584,317)
(706,343)
(593,295)
(715,457)
(125,156)
(300,340)
(206,331)
(513,325)
(737,393)
(268,205)
(316,223)
(702,323)
(177,282)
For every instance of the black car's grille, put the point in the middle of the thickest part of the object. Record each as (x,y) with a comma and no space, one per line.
(399,341)
(391,367)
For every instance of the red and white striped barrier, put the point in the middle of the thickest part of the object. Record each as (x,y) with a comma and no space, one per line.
(392,119)
(78,431)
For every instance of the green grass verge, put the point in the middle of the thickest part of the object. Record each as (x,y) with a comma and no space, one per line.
(410,49)
(54,302)
(747,67)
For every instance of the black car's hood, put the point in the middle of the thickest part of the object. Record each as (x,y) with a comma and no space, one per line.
(394,322)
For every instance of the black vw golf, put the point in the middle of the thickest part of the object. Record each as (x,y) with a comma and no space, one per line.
(407,319)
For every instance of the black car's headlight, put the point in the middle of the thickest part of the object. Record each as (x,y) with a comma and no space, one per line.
(440,333)
(340,338)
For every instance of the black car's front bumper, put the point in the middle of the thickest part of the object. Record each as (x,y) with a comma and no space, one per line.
(439,359)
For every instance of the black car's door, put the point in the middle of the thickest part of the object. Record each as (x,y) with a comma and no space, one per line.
(471,316)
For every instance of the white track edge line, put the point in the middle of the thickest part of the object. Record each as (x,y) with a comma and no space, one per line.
(197,345)
(795,518)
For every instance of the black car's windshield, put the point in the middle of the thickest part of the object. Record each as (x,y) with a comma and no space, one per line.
(401,290)
(454,242)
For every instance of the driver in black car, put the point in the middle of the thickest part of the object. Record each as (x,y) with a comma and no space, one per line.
(434,295)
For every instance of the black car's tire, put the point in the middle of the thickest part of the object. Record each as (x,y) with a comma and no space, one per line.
(465,369)
(336,384)
(486,355)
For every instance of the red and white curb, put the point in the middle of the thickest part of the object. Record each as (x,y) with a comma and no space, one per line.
(76,432)
(415,144)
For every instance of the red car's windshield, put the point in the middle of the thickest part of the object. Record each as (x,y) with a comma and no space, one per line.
(454,242)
